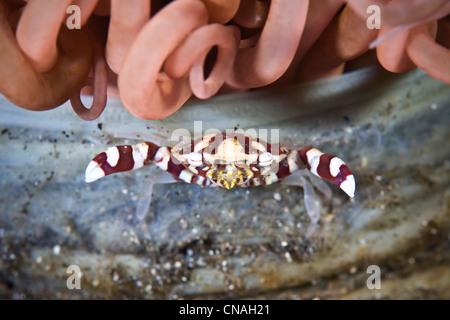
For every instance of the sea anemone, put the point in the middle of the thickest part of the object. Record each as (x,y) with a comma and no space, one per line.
(156,56)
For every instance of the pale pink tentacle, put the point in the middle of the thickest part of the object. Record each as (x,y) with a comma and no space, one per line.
(145,92)
(227,45)
(343,40)
(392,52)
(257,66)
(86,9)
(429,55)
(399,11)
(127,19)
(442,12)
(99,83)
(38,29)
(320,14)
(189,57)
(24,86)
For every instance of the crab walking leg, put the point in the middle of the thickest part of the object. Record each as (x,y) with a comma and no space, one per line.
(126,158)
(330,168)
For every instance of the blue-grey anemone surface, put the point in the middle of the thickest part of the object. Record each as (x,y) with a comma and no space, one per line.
(392,130)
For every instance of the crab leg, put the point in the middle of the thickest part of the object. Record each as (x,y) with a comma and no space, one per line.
(126,158)
(330,168)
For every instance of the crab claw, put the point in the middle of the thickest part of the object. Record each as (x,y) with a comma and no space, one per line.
(94,169)
(93,172)
(329,167)
(348,185)
(125,158)
(114,159)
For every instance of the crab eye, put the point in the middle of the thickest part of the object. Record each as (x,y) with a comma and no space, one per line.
(195,159)
(265,159)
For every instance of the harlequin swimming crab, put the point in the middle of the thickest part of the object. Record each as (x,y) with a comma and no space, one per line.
(227,160)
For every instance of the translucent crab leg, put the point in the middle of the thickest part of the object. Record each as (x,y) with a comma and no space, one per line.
(330,168)
(145,199)
(310,197)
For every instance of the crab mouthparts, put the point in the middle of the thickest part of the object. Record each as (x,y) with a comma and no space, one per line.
(229,177)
